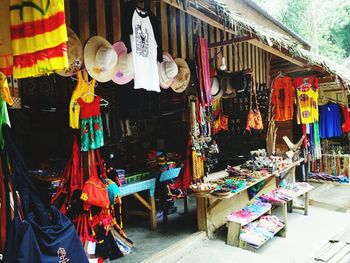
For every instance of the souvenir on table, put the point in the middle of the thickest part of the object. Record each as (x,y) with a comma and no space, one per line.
(39,36)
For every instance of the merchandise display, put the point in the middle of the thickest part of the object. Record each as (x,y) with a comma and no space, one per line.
(249,213)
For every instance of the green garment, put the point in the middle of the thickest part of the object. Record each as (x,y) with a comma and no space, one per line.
(4,119)
(91,133)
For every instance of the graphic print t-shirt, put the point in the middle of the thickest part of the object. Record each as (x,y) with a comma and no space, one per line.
(144,51)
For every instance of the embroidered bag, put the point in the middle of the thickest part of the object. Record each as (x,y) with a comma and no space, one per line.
(254,119)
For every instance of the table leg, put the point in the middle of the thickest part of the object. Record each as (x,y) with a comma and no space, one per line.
(306,203)
(186,204)
(290,206)
(153,213)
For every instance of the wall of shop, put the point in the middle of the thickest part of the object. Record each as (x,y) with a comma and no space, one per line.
(103,17)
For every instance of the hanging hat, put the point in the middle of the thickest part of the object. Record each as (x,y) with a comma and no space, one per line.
(167,71)
(100,59)
(75,54)
(216,90)
(125,66)
(226,85)
(183,76)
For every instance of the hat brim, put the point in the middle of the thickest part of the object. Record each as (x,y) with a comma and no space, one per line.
(90,50)
(180,85)
(75,62)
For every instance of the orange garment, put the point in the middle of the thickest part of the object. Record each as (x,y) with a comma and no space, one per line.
(282,98)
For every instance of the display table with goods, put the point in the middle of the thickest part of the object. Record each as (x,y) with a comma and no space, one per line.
(236,187)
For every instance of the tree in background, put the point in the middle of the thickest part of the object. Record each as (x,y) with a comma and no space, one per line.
(324,24)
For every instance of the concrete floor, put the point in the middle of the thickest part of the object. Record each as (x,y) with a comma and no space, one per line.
(305,236)
(148,242)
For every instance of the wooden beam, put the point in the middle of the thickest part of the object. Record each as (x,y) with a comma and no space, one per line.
(116,20)
(231,41)
(142,201)
(197,14)
(84,30)
(101,18)
(276,52)
(164,25)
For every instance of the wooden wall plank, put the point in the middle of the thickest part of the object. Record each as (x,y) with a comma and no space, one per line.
(217,39)
(257,65)
(189,35)
(225,48)
(249,47)
(245,54)
(205,30)
(183,34)
(240,56)
(83,14)
(235,55)
(116,20)
(253,61)
(67,12)
(153,6)
(164,25)
(230,55)
(173,29)
(212,40)
(101,18)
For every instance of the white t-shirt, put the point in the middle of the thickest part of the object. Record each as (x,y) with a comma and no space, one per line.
(144,53)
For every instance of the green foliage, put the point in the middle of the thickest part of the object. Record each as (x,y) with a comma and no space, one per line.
(324,24)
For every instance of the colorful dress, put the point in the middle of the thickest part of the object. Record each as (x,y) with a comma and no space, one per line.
(38,36)
(81,88)
(90,125)
(307,97)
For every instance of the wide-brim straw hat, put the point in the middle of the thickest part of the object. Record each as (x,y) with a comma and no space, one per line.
(125,66)
(100,59)
(74,53)
(216,90)
(183,76)
(168,70)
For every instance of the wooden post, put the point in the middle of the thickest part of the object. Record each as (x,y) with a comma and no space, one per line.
(164,25)
(101,18)
(83,14)
(173,35)
(306,203)
(233,232)
(153,215)
(116,20)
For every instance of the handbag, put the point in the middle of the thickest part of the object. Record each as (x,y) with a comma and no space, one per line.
(254,119)
(94,192)
(123,243)
(38,233)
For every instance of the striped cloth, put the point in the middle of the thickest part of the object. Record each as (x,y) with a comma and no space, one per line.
(38,36)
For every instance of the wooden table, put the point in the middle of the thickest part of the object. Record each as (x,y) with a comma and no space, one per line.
(134,189)
(212,210)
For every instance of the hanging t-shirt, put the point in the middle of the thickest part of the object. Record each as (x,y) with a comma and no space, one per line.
(307,97)
(312,80)
(282,98)
(346,123)
(144,52)
(330,121)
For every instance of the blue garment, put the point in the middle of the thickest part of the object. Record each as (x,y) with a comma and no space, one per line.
(330,122)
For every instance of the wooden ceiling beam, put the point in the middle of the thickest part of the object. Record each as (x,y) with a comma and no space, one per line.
(234,40)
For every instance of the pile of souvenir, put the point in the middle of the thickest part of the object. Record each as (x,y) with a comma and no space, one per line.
(258,232)
(202,187)
(286,193)
(264,163)
(161,161)
(327,177)
(249,213)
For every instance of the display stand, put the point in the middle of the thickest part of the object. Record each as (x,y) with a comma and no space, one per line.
(235,228)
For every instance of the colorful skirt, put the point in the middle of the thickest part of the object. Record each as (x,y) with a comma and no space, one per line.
(91,133)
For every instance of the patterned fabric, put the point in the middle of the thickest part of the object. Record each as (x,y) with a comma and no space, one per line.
(91,126)
(39,36)
(282,98)
(307,97)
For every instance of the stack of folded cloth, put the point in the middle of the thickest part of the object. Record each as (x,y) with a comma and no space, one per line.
(286,193)
(249,213)
(258,232)
(328,177)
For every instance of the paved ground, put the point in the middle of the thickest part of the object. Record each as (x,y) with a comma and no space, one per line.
(305,236)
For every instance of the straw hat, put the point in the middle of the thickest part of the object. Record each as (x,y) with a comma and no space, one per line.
(75,54)
(183,76)
(125,67)
(226,85)
(216,90)
(100,59)
(167,71)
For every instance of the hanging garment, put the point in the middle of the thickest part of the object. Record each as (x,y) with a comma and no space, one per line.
(307,97)
(282,98)
(316,141)
(330,121)
(91,125)
(144,52)
(6,58)
(4,90)
(80,89)
(203,71)
(346,123)
(38,36)
(312,80)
